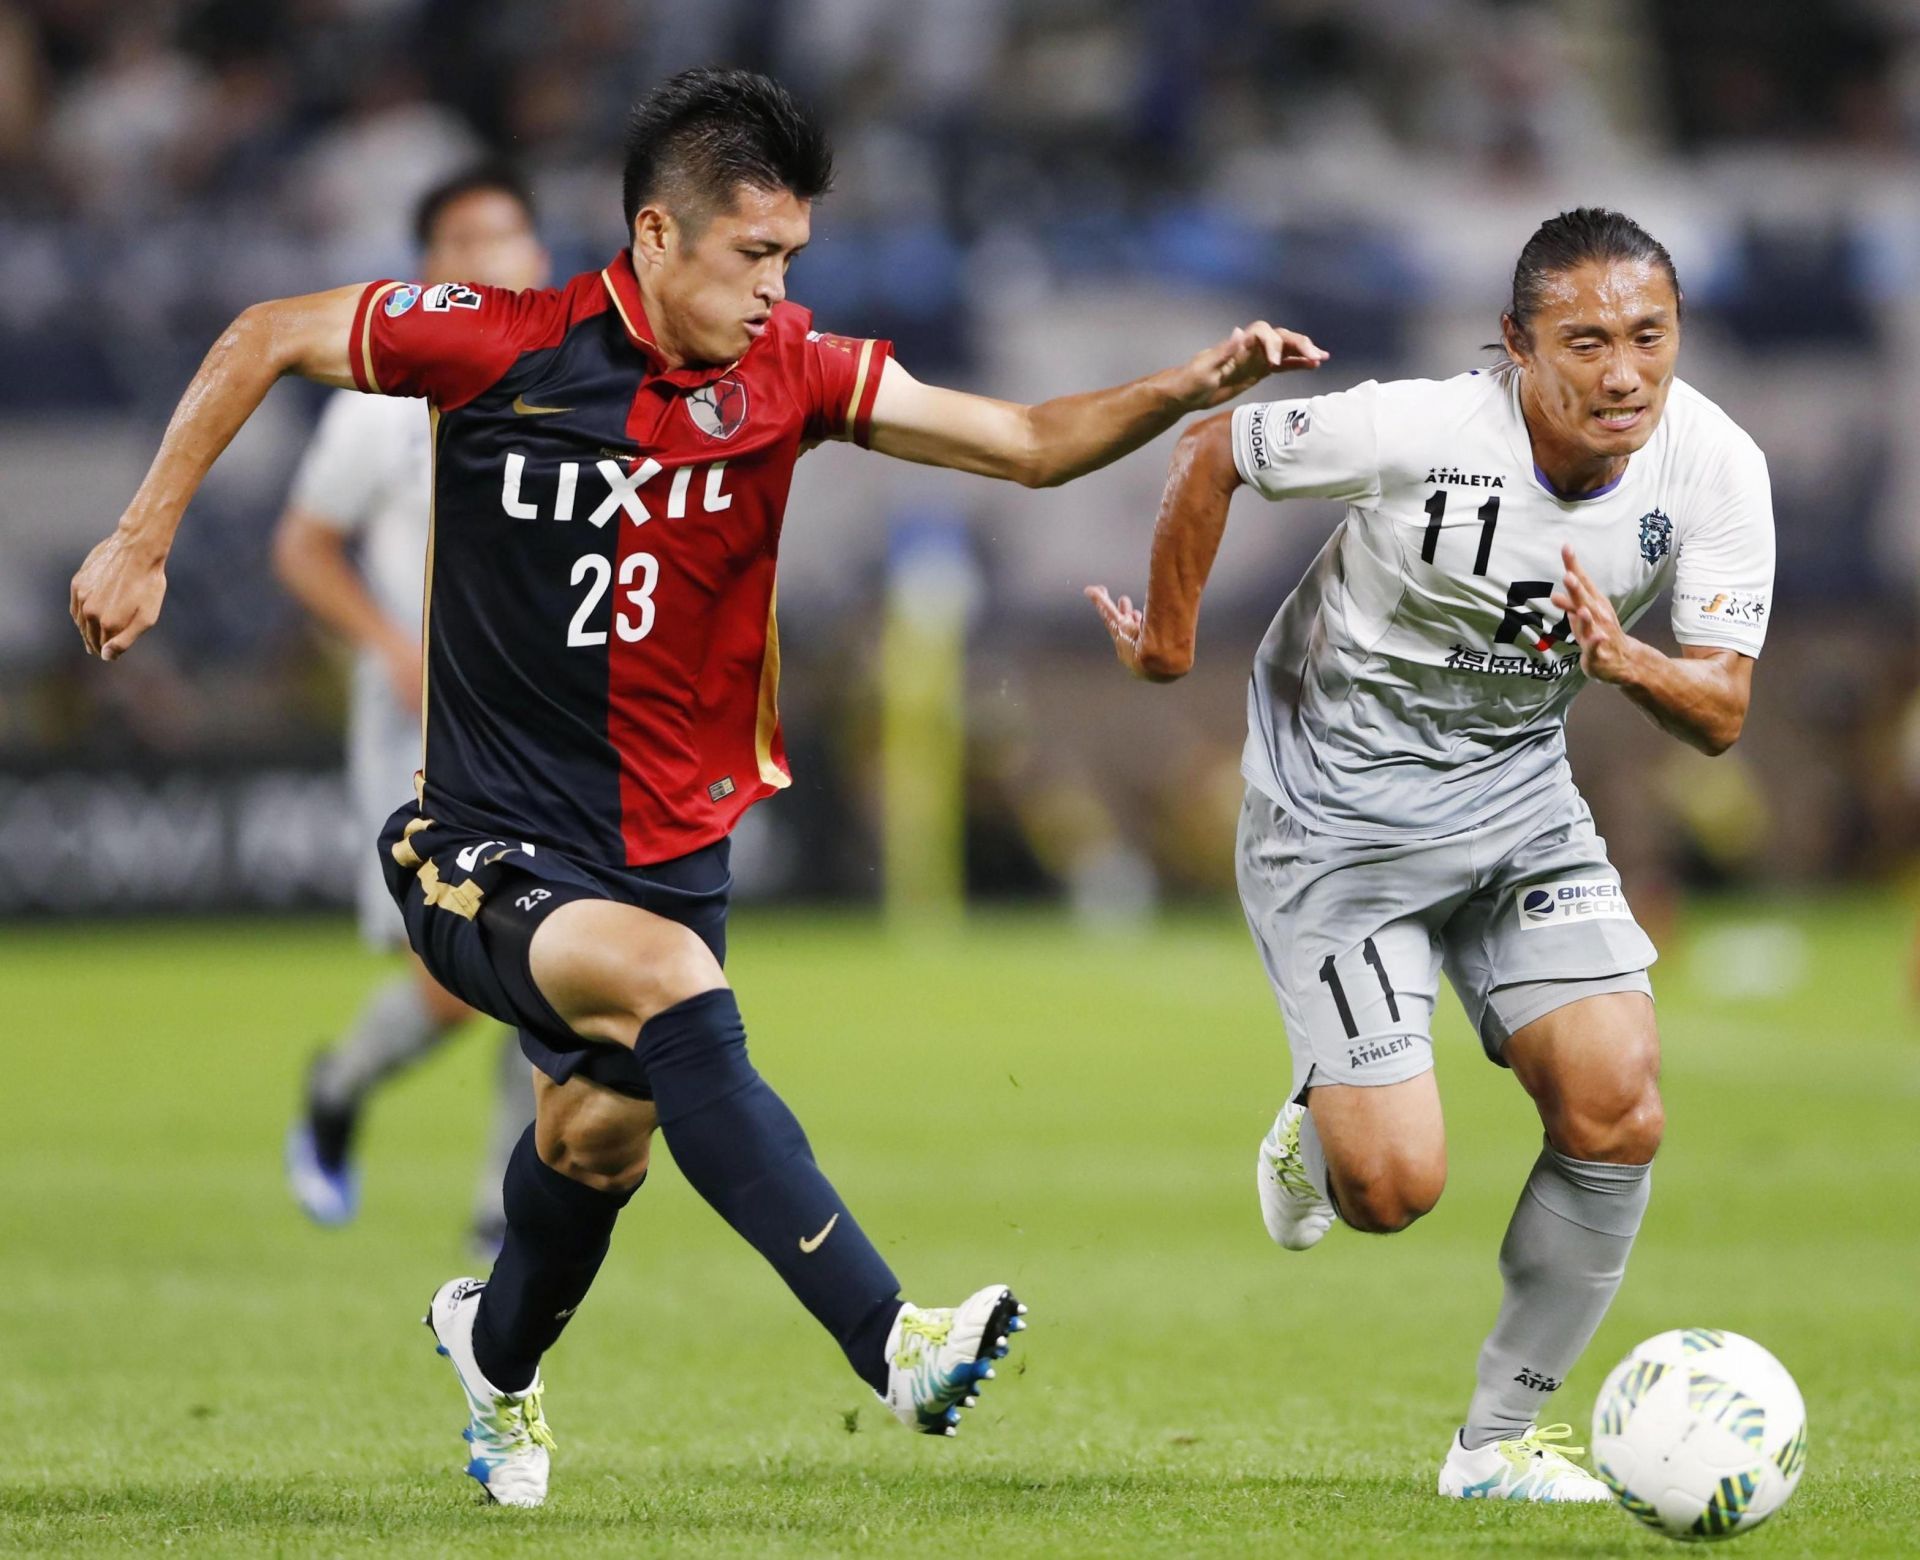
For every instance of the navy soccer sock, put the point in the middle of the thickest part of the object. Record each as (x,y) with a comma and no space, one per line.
(742,1150)
(557,1234)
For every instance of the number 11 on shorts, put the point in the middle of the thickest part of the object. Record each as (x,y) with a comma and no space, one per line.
(1332,978)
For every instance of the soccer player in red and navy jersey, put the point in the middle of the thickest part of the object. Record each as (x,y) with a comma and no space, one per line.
(612,461)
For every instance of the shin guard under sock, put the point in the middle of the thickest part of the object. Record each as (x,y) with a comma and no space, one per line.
(557,1234)
(742,1150)
(1563,1257)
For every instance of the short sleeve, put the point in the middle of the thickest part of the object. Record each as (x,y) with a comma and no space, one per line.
(447,342)
(338,482)
(841,378)
(1323,447)
(1723,563)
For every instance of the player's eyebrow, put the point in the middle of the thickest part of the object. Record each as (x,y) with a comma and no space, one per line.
(1655,319)
(771,245)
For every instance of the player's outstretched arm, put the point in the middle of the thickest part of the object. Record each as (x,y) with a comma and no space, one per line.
(1058,440)
(1700,696)
(1156,640)
(115,598)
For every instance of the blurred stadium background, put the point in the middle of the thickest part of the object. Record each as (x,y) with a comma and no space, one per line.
(1036,195)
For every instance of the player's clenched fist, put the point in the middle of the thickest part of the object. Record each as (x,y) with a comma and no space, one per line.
(1245,358)
(115,598)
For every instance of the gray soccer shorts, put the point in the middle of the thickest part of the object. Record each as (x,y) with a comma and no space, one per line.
(1524,915)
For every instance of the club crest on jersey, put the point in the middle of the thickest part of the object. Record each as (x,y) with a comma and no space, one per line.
(451,295)
(1656,536)
(402,299)
(719,410)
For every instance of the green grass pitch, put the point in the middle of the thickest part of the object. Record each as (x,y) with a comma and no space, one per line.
(184,1363)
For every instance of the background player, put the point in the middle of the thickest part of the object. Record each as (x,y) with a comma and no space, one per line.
(1409,804)
(367,479)
(612,465)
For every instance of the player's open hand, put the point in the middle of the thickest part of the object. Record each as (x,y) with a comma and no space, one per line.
(1605,649)
(1128,625)
(1245,358)
(115,598)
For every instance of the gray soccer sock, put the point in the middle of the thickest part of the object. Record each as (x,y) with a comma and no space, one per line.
(512,1110)
(1562,1260)
(393,1029)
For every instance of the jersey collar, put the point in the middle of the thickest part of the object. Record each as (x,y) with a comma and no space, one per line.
(623,287)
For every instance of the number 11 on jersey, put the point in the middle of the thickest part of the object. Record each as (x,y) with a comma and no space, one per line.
(1436,508)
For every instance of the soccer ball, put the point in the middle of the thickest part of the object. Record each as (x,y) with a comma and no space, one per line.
(1700,1433)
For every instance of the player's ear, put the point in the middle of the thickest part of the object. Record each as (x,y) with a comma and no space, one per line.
(1514,340)
(652,228)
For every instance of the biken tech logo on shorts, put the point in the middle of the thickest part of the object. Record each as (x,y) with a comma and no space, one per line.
(1551,904)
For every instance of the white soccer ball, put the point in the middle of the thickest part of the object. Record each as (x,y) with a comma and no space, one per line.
(1700,1433)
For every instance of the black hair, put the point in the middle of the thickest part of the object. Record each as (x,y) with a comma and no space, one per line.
(487,178)
(699,134)
(1575,238)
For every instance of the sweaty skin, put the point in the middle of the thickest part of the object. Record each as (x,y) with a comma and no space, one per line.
(709,290)
(1595,371)
(709,285)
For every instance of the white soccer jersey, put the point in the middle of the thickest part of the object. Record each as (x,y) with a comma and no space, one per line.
(1417,680)
(369,474)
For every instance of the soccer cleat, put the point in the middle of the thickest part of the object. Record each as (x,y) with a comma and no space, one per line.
(506,1435)
(326,1194)
(1525,1468)
(1295,1213)
(938,1360)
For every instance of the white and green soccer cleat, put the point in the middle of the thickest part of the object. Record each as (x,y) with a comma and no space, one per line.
(1525,1468)
(507,1436)
(1296,1214)
(938,1360)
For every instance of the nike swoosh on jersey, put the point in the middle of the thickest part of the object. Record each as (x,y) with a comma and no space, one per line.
(522,409)
(811,1246)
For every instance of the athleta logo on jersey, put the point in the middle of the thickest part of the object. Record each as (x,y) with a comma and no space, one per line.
(618,491)
(1449,476)
(1551,904)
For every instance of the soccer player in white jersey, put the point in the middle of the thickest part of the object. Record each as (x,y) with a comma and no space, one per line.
(1409,805)
(366,479)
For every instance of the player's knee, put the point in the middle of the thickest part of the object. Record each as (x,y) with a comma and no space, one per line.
(1384,1197)
(1617,1117)
(1625,1128)
(606,1150)
(666,970)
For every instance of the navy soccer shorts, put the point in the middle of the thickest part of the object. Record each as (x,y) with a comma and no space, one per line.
(472,904)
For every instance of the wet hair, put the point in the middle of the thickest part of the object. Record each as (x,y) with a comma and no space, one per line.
(483,178)
(698,135)
(1590,233)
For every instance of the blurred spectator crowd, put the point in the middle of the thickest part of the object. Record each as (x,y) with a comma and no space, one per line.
(1034,194)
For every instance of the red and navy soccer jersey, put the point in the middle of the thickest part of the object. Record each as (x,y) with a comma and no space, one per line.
(602,662)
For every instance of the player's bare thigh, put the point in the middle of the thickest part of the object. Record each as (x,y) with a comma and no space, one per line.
(606,968)
(1386,1149)
(1593,1069)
